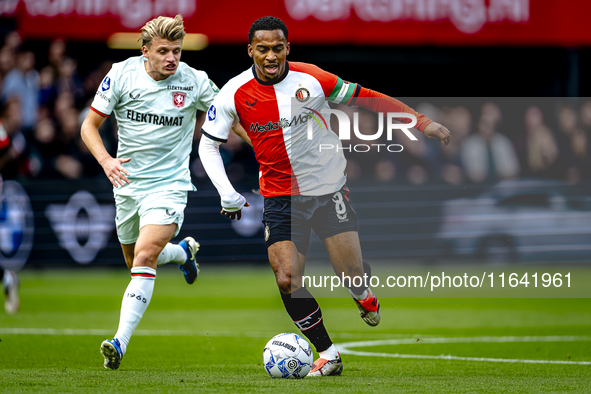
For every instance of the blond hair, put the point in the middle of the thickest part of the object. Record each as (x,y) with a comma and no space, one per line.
(170,29)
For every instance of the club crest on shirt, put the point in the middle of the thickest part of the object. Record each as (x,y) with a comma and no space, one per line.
(302,94)
(178,99)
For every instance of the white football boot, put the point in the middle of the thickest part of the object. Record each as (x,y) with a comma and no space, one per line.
(324,367)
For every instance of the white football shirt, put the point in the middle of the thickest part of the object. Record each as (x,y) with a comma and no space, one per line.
(156,122)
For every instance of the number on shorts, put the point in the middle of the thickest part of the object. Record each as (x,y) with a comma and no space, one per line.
(339,203)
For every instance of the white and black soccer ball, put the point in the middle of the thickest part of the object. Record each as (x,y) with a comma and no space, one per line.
(287,356)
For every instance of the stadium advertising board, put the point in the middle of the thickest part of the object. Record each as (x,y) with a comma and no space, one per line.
(390,22)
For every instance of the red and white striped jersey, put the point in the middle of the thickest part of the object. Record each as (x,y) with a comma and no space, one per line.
(276,118)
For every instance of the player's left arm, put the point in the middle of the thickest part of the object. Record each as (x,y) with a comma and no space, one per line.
(240,132)
(352,94)
(207,91)
(199,120)
(438,132)
(379,102)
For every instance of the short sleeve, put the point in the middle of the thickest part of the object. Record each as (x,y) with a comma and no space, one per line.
(207,91)
(107,95)
(221,116)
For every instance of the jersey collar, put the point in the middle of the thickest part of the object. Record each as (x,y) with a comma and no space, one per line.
(281,78)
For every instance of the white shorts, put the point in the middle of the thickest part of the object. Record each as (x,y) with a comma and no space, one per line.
(159,208)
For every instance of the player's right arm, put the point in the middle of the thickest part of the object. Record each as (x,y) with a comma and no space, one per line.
(221,117)
(106,98)
(92,138)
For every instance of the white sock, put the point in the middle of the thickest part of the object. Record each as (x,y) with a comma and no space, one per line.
(172,254)
(329,354)
(135,302)
(363,295)
(7,279)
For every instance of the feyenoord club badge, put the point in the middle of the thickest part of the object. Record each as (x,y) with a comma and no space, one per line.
(302,94)
(178,99)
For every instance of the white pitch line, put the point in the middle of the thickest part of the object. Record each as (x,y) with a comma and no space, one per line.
(344,348)
(162,333)
(155,333)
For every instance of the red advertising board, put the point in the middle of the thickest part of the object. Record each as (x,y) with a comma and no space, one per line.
(382,22)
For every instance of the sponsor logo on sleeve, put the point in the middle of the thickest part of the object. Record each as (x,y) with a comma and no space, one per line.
(103,96)
(211,112)
(178,99)
(106,84)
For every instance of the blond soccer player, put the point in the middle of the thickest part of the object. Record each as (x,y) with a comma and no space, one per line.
(154,98)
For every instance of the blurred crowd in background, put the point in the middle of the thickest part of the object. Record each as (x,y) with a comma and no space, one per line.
(493,139)
(43,101)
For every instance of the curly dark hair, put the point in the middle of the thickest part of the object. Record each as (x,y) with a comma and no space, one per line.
(267,23)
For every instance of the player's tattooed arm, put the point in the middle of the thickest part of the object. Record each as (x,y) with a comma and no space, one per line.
(437,132)
(112,166)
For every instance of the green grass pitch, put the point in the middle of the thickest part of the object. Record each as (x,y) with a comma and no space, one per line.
(209,337)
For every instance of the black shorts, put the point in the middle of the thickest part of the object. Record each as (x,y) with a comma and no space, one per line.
(291,218)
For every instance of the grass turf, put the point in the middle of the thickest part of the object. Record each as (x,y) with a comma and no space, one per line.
(209,338)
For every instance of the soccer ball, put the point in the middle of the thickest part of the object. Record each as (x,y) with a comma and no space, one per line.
(287,356)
